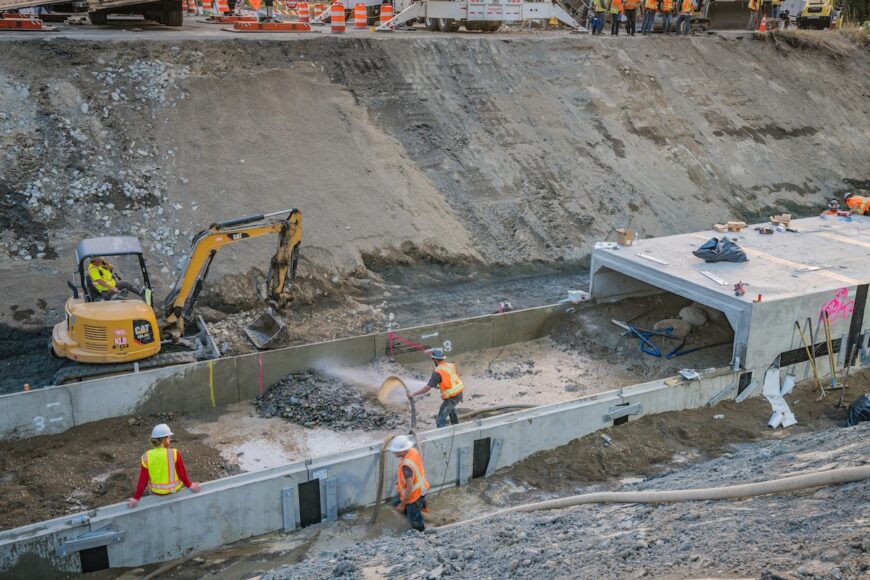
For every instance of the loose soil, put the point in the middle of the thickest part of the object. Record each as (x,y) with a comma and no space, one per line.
(88,466)
(814,532)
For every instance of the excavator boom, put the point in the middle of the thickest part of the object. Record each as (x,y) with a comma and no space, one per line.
(180,302)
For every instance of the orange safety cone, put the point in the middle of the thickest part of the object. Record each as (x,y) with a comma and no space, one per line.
(302,9)
(360,17)
(386,13)
(336,17)
(763,27)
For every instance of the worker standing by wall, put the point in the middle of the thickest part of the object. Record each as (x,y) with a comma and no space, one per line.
(630,7)
(649,15)
(599,9)
(685,17)
(616,12)
(667,15)
(858,203)
(162,468)
(447,380)
(411,483)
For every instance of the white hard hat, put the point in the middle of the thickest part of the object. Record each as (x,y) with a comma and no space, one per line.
(160,431)
(400,444)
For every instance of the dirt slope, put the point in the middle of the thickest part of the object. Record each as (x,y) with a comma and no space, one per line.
(414,148)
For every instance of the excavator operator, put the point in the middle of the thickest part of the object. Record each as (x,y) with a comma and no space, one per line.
(102,275)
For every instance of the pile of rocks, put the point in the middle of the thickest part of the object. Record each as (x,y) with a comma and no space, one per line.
(314,399)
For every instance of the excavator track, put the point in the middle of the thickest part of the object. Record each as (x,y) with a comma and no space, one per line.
(80,372)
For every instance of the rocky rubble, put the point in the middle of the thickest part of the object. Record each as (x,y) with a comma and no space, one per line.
(811,534)
(81,154)
(314,399)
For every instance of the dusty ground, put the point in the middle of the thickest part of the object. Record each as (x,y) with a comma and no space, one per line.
(813,531)
(520,150)
(88,466)
(591,331)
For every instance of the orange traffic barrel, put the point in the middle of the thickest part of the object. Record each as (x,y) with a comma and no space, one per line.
(360,17)
(302,8)
(386,13)
(336,17)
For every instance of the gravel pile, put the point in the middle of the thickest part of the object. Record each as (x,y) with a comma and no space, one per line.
(314,399)
(821,533)
(83,153)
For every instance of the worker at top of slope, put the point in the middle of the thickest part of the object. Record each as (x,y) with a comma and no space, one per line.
(162,468)
(447,380)
(102,275)
(411,483)
(858,203)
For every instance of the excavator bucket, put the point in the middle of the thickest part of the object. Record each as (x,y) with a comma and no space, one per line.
(268,331)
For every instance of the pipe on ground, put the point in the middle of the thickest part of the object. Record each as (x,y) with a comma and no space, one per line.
(782,485)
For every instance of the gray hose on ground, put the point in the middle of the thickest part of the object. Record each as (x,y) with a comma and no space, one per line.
(785,484)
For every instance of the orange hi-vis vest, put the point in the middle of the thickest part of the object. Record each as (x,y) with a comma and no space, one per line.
(651,5)
(667,5)
(688,7)
(450,384)
(160,463)
(419,485)
(858,204)
(631,4)
(616,7)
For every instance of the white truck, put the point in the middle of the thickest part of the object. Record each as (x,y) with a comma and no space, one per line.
(480,15)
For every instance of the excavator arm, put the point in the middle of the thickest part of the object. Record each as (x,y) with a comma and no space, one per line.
(180,303)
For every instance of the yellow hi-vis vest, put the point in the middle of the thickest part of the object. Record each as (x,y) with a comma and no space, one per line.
(450,384)
(160,463)
(859,204)
(100,274)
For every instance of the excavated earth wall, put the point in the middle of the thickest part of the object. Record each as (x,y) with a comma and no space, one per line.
(497,151)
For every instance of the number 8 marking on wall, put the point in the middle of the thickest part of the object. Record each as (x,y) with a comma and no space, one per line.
(447,346)
(39,422)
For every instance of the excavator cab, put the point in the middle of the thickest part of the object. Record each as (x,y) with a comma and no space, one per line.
(96,330)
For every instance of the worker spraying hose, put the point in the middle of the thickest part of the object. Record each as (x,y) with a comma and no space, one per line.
(447,380)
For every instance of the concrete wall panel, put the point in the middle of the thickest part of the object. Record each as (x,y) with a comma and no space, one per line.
(39,412)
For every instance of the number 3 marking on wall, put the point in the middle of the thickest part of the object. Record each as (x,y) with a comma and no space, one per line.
(447,346)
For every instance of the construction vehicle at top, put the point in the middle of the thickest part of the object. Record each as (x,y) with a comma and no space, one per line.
(475,15)
(109,330)
(819,15)
(167,12)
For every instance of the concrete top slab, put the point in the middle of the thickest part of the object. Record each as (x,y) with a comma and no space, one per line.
(825,254)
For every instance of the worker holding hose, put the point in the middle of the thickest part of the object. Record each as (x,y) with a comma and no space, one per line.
(411,483)
(447,380)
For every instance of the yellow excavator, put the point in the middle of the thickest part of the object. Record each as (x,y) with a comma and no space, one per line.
(109,330)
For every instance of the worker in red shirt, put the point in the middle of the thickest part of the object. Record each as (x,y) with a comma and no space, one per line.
(162,469)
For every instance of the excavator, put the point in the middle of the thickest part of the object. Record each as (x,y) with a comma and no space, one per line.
(107,331)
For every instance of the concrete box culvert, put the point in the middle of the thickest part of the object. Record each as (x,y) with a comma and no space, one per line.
(247,505)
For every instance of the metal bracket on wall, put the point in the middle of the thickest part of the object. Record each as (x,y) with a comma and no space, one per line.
(722,394)
(330,496)
(619,412)
(865,347)
(464,465)
(94,539)
(493,457)
(842,354)
(746,392)
(289,507)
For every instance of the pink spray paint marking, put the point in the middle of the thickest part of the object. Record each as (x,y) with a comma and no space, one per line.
(838,307)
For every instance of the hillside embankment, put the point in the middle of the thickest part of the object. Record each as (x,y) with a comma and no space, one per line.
(417,161)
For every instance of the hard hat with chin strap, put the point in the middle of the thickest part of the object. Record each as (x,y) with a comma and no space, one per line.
(400,444)
(160,431)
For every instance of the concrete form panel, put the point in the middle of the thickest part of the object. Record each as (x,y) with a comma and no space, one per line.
(242,506)
(40,412)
